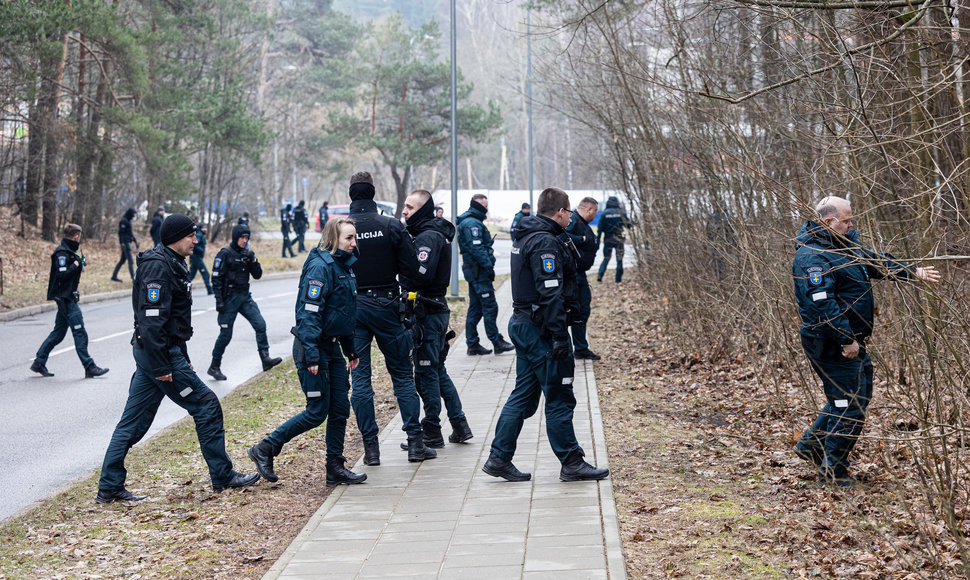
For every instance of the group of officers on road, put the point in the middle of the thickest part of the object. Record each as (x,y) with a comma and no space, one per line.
(372,277)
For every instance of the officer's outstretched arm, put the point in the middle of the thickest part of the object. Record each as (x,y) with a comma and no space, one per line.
(815,292)
(255,268)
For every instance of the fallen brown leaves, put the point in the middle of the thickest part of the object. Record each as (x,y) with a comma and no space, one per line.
(706,486)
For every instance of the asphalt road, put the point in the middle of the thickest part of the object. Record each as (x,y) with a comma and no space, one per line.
(56,429)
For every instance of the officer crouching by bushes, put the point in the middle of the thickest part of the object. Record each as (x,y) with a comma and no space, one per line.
(162,302)
(430,317)
(543,290)
(326,307)
(231,269)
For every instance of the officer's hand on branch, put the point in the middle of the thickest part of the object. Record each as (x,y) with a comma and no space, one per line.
(850,350)
(928,274)
(165,378)
(313,369)
(560,349)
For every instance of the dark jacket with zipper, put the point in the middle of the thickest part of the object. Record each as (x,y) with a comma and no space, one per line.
(162,304)
(326,305)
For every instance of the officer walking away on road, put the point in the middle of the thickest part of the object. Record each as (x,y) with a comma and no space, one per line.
(156,229)
(543,292)
(325,310)
(832,274)
(286,219)
(430,315)
(587,243)
(243,219)
(300,224)
(526,210)
(613,221)
(197,261)
(162,303)
(233,266)
(324,214)
(478,267)
(19,194)
(385,250)
(67,263)
(126,237)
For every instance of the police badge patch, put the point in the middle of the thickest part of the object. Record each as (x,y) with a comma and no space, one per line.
(423,253)
(814,275)
(475,231)
(314,289)
(154,292)
(548,263)
(215,265)
(62,261)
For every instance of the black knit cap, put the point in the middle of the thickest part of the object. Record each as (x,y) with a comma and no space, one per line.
(175,227)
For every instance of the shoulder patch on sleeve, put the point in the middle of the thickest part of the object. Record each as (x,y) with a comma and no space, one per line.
(314,289)
(814,275)
(424,252)
(217,263)
(153,292)
(475,231)
(548,263)
(62,260)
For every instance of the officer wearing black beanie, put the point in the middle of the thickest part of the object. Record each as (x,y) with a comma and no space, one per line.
(231,269)
(162,304)
(386,250)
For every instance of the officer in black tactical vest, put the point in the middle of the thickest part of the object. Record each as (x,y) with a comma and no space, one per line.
(126,238)
(429,318)
(286,220)
(231,269)
(300,224)
(162,304)
(386,250)
(67,263)
(543,294)
(587,243)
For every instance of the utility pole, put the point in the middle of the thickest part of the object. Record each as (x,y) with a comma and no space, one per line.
(528,84)
(454,151)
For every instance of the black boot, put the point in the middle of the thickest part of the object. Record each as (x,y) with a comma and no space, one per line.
(586,354)
(94,371)
(105,496)
(477,349)
(236,479)
(574,468)
(432,435)
(262,455)
(41,369)
(460,431)
(810,448)
(498,467)
(337,474)
(268,362)
(417,450)
(501,345)
(214,370)
(372,452)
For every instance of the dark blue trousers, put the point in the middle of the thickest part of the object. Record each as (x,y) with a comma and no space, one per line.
(585,307)
(481,305)
(326,399)
(607,254)
(125,257)
(239,303)
(300,237)
(433,382)
(384,324)
(145,393)
(68,316)
(847,383)
(537,374)
(197,264)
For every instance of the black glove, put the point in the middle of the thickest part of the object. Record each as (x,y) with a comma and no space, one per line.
(491,275)
(251,255)
(220,307)
(560,349)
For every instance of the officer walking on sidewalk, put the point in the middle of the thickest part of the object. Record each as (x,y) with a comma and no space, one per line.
(233,266)
(430,316)
(385,250)
(126,237)
(162,304)
(478,267)
(326,306)
(543,290)
(587,243)
(67,263)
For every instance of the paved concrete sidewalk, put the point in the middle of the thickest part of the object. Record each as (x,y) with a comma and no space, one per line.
(445,518)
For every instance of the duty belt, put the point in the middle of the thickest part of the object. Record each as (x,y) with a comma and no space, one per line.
(378,293)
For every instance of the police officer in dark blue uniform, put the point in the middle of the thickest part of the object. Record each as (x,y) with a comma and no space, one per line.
(526,210)
(231,269)
(832,274)
(324,215)
(67,263)
(613,221)
(126,237)
(543,294)
(157,220)
(587,243)
(478,267)
(197,261)
(243,219)
(325,310)
(286,220)
(385,250)
(429,318)
(162,304)
(300,223)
